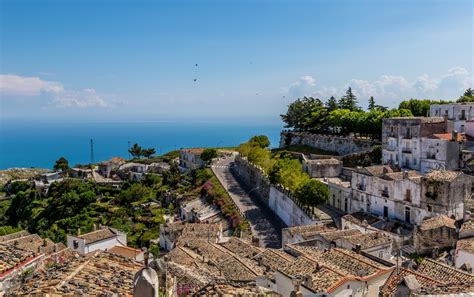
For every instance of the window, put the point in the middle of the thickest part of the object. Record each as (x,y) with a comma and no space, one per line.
(430,208)
(75,243)
(463,115)
(408,195)
(407,214)
(414,161)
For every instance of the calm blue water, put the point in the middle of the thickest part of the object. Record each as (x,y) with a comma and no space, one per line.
(39,144)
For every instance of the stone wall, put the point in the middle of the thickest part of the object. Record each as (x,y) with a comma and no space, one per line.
(279,200)
(342,145)
(253,177)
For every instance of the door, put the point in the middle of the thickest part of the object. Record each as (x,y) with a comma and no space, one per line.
(407,214)
(385,212)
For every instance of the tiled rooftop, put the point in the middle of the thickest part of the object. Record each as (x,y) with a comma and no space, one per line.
(437,222)
(273,259)
(14,235)
(125,251)
(12,257)
(331,236)
(316,277)
(396,277)
(98,235)
(443,175)
(469,225)
(33,243)
(369,240)
(361,218)
(378,170)
(466,244)
(343,261)
(99,274)
(197,151)
(241,248)
(230,289)
(397,176)
(308,231)
(444,273)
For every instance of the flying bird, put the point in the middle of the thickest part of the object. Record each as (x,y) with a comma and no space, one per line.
(195,79)
(196,65)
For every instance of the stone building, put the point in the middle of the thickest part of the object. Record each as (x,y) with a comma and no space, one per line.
(408,196)
(434,235)
(101,239)
(329,167)
(459,113)
(445,192)
(402,136)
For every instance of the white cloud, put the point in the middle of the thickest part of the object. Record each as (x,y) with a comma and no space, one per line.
(390,89)
(15,86)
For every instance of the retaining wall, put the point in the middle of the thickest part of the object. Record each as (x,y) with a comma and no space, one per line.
(278,199)
(342,145)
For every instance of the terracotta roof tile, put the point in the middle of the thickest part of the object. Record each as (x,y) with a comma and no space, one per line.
(437,222)
(444,273)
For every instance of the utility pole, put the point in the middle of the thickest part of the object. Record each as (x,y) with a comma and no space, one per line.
(92,151)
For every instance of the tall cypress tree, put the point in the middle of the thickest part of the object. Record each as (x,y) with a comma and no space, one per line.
(371,103)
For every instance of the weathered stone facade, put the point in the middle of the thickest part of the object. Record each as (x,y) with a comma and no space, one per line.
(401,139)
(459,113)
(342,145)
(434,235)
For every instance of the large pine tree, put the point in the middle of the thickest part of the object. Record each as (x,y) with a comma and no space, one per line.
(349,101)
(331,104)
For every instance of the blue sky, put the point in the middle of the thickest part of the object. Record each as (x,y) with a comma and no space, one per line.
(135,60)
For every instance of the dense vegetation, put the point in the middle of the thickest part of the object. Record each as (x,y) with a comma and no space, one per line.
(284,169)
(74,204)
(347,117)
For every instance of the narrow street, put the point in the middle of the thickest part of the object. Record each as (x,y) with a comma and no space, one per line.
(264,223)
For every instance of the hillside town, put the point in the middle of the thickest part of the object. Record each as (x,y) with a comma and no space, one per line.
(220,223)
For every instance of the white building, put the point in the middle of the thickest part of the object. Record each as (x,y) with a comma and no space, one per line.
(408,196)
(190,159)
(459,113)
(464,257)
(102,239)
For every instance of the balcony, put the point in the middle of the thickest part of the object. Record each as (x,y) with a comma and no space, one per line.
(406,150)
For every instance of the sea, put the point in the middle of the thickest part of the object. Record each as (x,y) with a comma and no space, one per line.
(39,143)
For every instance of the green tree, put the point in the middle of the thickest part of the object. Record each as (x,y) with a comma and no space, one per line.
(61,164)
(468,96)
(260,140)
(306,114)
(136,192)
(287,172)
(136,151)
(208,154)
(147,153)
(349,101)
(331,104)
(312,193)
(371,103)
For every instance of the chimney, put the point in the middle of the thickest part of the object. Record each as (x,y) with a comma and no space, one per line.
(95,227)
(454,135)
(405,174)
(146,255)
(358,248)
(78,231)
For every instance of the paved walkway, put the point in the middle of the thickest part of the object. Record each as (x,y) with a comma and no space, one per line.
(264,223)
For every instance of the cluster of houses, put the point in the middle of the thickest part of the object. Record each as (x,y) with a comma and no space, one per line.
(95,263)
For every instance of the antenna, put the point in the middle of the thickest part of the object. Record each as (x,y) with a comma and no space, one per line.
(92,151)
